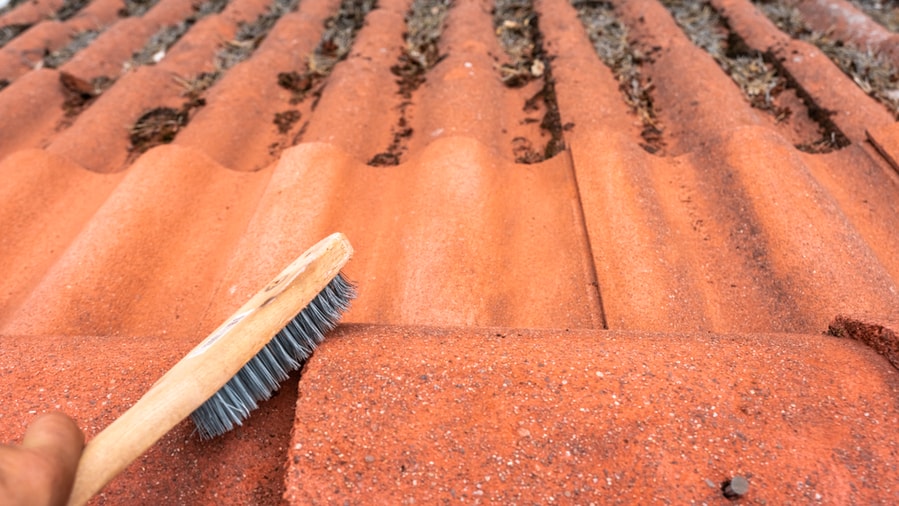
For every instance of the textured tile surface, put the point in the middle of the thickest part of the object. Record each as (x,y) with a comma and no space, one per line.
(619,186)
(418,415)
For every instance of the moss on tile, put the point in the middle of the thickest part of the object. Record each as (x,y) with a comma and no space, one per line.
(79,41)
(69,9)
(250,35)
(157,126)
(759,80)
(136,8)
(334,46)
(285,120)
(424,25)
(872,71)
(610,40)
(516,25)
(159,43)
(10,32)
(340,32)
(884,12)
(79,95)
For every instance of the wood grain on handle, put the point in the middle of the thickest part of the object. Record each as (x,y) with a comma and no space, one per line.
(208,367)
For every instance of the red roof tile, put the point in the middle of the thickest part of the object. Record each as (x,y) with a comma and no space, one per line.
(692,243)
(424,415)
(76,375)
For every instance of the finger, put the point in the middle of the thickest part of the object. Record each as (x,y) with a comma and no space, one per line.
(56,436)
(58,442)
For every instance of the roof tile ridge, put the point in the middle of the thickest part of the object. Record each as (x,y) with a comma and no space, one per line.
(821,83)
(247,100)
(159,91)
(47,199)
(21,54)
(818,249)
(36,96)
(30,12)
(84,64)
(281,231)
(145,260)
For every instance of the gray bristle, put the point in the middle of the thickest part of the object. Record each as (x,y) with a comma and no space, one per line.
(286,352)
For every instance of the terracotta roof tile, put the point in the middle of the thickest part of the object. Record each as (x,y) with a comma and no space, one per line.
(115,46)
(847,21)
(30,12)
(28,49)
(683,197)
(155,228)
(440,267)
(423,415)
(74,375)
(236,126)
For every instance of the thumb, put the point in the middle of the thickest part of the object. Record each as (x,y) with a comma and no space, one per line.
(57,442)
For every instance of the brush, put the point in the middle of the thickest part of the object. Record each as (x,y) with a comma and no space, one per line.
(241,363)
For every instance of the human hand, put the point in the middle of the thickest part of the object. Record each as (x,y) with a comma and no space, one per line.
(41,470)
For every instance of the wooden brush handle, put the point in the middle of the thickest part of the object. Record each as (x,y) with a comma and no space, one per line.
(208,367)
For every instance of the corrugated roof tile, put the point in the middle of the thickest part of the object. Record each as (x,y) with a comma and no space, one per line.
(148,255)
(442,266)
(686,213)
(424,415)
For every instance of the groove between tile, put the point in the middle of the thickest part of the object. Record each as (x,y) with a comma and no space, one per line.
(831,89)
(111,117)
(359,102)
(27,50)
(38,95)
(463,95)
(107,55)
(236,126)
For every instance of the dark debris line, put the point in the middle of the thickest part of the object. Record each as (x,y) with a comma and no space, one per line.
(336,41)
(250,35)
(334,45)
(424,25)
(885,12)
(80,93)
(760,76)
(83,39)
(160,125)
(873,72)
(759,80)
(610,39)
(10,32)
(516,25)
(79,41)
(159,43)
(136,8)
(69,8)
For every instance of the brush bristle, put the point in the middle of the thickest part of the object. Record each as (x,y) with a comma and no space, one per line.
(286,352)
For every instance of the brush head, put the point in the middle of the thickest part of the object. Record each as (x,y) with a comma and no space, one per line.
(286,352)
